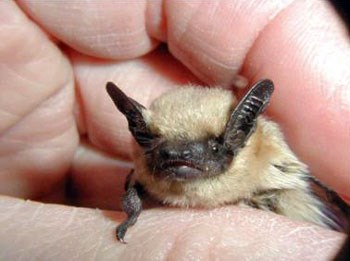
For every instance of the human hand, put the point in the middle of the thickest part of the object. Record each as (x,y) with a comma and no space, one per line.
(58,124)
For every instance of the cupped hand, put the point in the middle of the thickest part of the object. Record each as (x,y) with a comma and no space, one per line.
(62,140)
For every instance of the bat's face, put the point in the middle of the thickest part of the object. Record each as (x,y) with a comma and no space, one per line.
(195,134)
(181,160)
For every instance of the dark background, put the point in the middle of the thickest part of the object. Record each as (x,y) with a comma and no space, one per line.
(343,8)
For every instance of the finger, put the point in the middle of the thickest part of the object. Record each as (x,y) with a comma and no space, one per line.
(24,52)
(96,178)
(232,233)
(37,130)
(107,29)
(212,38)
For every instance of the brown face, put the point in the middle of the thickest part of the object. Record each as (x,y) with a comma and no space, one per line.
(183,160)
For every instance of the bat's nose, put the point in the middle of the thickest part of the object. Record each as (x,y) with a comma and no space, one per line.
(169,153)
(186,154)
(175,153)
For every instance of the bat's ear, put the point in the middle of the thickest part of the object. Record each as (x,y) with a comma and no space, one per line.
(242,122)
(133,113)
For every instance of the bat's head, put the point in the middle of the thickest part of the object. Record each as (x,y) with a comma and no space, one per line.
(192,133)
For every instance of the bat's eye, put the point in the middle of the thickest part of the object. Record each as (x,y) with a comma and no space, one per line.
(214,148)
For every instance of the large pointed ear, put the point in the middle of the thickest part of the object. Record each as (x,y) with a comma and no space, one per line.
(242,122)
(133,113)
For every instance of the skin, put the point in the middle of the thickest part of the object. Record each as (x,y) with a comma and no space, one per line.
(57,122)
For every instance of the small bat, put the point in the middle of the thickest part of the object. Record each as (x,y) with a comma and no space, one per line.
(200,147)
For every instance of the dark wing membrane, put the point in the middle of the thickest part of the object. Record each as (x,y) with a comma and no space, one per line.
(133,113)
(336,209)
(243,119)
(344,253)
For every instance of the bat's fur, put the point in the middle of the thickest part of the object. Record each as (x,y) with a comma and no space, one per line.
(265,174)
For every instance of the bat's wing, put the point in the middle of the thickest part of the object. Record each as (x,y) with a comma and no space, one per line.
(336,208)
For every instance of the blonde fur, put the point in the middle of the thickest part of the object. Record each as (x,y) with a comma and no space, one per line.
(191,113)
(265,164)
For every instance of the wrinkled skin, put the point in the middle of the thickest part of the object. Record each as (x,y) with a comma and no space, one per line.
(57,123)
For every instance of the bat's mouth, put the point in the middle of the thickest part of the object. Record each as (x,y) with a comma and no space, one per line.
(181,170)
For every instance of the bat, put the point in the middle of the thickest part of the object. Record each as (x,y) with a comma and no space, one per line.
(201,147)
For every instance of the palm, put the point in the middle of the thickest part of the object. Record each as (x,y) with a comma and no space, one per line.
(58,124)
